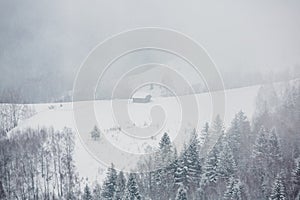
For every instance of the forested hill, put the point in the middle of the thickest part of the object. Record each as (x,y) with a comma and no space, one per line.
(256,156)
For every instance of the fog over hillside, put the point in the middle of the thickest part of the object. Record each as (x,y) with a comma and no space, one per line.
(42,44)
(149,100)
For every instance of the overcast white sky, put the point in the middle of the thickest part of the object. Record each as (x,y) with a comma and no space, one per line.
(50,37)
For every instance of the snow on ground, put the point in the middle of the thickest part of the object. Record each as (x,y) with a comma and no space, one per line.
(60,115)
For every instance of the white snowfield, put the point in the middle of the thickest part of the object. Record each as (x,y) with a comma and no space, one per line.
(60,115)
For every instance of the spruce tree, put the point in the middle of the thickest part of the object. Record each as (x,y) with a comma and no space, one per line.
(210,173)
(173,172)
(240,138)
(192,162)
(260,149)
(204,134)
(181,174)
(278,189)
(275,155)
(260,181)
(226,167)
(2,192)
(121,186)
(274,146)
(97,192)
(86,193)
(298,196)
(234,135)
(217,126)
(95,133)
(212,146)
(109,185)
(165,172)
(296,177)
(235,190)
(188,168)
(178,164)
(181,193)
(215,132)
(132,190)
(165,150)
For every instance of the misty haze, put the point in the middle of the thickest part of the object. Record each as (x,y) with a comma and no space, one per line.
(145,100)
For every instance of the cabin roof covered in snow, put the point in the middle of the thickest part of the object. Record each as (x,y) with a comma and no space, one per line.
(140,95)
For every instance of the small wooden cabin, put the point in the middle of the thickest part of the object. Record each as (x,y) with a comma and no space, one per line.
(141,97)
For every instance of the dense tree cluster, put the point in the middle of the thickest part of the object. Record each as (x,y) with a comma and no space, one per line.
(38,164)
(249,160)
(258,159)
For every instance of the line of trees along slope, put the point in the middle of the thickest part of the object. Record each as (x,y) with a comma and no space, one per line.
(38,164)
(251,160)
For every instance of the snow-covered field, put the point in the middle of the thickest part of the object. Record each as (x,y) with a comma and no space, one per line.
(60,115)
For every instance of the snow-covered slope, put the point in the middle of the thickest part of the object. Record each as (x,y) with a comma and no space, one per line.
(61,115)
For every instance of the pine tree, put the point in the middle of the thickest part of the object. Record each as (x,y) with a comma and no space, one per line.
(215,132)
(260,149)
(296,177)
(298,196)
(181,173)
(266,102)
(188,168)
(109,185)
(234,134)
(217,129)
(164,175)
(274,146)
(2,193)
(121,186)
(204,134)
(86,193)
(240,138)
(274,151)
(154,184)
(192,162)
(226,167)
(278,190)
(181,193)
(217,126)
(175,165)
(235,190)
(97,192)
(165,150)
(261,180)
(219,166)
(95,133)
(210,173)
(178,164)
(132,191)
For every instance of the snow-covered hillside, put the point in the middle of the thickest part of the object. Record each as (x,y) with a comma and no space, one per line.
(61,115)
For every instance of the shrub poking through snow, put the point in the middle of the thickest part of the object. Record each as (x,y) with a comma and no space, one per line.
(95,133)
